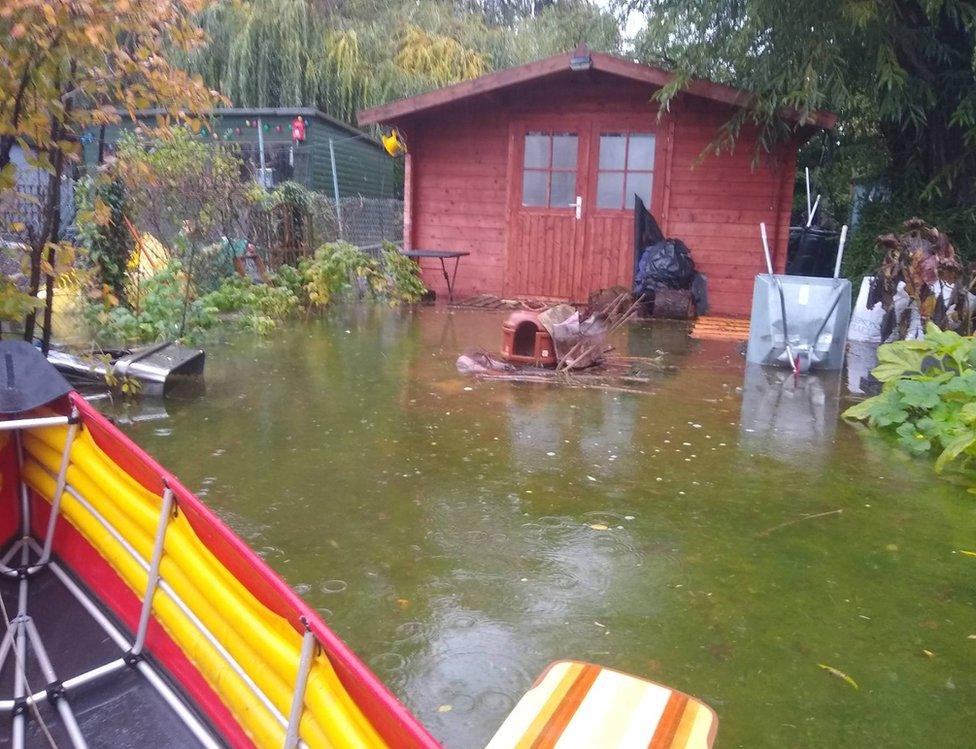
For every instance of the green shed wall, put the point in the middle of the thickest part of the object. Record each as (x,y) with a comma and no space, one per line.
(362,167)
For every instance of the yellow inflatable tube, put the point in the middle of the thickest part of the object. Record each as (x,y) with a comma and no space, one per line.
(269,652)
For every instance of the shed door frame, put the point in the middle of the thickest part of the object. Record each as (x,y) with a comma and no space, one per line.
(589,248)
(560,219)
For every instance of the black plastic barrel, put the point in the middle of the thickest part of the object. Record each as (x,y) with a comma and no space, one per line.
(811,252)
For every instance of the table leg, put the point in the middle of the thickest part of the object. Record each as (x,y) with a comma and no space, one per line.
(447,280)
(450,292)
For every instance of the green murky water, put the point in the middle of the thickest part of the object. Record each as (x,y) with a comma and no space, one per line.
(444,528)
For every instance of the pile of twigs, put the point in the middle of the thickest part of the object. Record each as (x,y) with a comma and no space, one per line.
(611,317)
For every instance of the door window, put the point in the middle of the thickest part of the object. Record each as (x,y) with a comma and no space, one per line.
(626,168)
(549,170)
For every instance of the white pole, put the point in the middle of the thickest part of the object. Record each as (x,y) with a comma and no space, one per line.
(42,421)
(298,698)
(263,180)
(765,241)
(152,581)
(335,185)
(74,422)
(62,706)
(814,211)
(840,250)
(809,209)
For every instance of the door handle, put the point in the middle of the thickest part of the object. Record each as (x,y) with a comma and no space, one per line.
(579,207)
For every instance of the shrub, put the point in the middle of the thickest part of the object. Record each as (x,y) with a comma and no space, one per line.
(165,313)
(928,400)
(342,271)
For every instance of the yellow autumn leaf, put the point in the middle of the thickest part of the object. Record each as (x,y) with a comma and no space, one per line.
(839,674)
(102,212)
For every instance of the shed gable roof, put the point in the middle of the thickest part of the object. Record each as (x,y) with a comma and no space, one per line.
(560,63)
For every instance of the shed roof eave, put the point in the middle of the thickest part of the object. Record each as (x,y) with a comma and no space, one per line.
(559,63)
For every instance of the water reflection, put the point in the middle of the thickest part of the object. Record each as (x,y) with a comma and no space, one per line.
(422,513)
(788,416)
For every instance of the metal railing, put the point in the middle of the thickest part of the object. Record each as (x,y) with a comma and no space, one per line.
(21,629)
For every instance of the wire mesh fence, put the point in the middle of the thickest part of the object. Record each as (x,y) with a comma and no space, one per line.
(352,194)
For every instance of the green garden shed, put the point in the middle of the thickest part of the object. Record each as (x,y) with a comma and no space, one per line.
(362,167)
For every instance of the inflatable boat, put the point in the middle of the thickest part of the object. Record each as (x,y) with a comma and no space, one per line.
(133,617)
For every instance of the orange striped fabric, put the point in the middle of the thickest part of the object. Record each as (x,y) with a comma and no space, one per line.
(575,705)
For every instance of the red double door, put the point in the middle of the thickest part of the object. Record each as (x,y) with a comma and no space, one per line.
(572,183)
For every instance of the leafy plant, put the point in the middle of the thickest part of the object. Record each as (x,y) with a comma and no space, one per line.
(403,276)
(260,307)
(102,232)
(165,313)
(920,265)
(340,271)
(928,398)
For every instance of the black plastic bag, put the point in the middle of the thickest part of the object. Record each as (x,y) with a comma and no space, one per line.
(665,265)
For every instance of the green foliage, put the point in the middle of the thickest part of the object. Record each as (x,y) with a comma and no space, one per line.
(342,272)
(101,204)
(361,53)
(337,272)
(863,254)
(181,184)
(260,307)
(403,276)
(928,399)
(899,73)
(164,313)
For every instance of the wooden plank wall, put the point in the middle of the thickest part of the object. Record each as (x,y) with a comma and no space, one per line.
(458,167)
(715,206)
(458,188)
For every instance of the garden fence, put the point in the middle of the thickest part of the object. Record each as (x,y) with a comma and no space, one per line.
(360,204)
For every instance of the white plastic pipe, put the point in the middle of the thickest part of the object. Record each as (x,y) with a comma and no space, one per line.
(166,509)
(809,210)
(765,241)
(813,211)
(840,250)
(40,421)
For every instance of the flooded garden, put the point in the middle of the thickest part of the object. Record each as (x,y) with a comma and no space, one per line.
(721,532)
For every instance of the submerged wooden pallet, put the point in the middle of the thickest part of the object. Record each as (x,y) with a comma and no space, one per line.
(619,374)
(710,328)
(492,302)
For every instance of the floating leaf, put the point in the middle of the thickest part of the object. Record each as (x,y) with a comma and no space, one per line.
(599,527)
(839,674)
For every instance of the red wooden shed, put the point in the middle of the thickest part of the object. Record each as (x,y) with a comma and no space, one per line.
(533,171)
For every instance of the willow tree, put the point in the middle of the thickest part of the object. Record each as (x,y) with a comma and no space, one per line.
(899,72)
(67,66)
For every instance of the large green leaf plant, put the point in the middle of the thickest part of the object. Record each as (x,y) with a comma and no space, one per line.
(928,397)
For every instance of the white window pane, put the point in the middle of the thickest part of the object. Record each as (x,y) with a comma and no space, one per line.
(640,154)
(610,190)
(534,188)
(613,146)
(536,150)
(564,149)
(639,183)
(563,190)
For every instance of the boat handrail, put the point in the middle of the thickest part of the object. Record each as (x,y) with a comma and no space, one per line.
(166,588)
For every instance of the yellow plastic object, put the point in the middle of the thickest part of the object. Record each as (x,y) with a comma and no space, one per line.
(393,143)
(263,643)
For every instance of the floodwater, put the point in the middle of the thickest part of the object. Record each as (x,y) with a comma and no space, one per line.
(723,532)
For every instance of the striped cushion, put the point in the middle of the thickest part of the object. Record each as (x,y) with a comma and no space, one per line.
(580,705)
